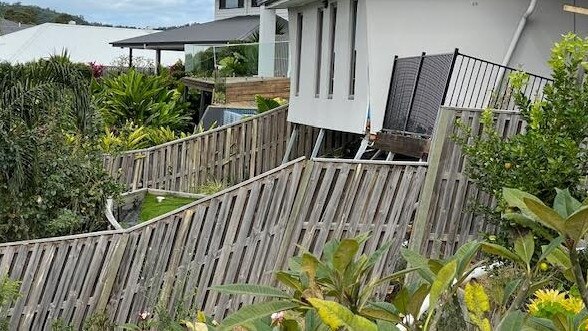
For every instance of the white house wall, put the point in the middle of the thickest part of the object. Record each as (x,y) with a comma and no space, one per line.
(339,112)
(480,28)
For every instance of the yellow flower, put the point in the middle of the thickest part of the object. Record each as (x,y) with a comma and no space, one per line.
(476,298)
(573,305)
(549,302)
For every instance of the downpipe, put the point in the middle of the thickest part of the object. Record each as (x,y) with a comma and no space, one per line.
(515,39)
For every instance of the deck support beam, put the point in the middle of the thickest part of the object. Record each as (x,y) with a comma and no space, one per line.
(318,144)
(293,139)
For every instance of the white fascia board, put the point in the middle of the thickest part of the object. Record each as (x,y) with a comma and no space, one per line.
(284,4)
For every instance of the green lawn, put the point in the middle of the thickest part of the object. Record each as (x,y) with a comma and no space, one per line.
(151,208)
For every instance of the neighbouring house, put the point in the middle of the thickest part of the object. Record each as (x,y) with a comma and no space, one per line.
(82,43)
(7,26)
(343,54)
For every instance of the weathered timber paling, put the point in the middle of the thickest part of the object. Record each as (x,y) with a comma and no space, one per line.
(242,234)
(444,221)
(232,153)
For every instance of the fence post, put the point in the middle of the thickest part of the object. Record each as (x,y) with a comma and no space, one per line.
(419,234)
(112,272)
(286,243)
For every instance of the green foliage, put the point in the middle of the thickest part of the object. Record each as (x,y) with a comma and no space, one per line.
(267,104)
(49,183)
(147,100)
(339,275)
(27,14)
(9,292)
(550,152)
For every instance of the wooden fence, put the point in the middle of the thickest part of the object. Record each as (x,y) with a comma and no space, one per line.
(444,220)
(242,234)
(230,154)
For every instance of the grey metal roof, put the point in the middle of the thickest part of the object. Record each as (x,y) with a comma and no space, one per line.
(7,26)
(214,32)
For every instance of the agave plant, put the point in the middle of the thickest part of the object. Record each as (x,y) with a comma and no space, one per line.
(333,291)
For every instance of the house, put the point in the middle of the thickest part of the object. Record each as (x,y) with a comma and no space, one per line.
(343,53)
(83,43)
(7,26)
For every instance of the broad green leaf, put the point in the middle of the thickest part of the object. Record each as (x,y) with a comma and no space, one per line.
(309,264)
(402,299)
(344,254)
(501,251)
(564,204)
(376,313)
(329,251)
(442,282)
(538,324)
(548,249)
(545,215)
(530,223)
(249,289)
(416,260)
(337,316)
(436,265)
(538,285)
(514,198)
(416,300)
(387,326)
(524,247)
(509,289)
(464,255)
(252,312)
(289,280)
(577,224)
(512,321)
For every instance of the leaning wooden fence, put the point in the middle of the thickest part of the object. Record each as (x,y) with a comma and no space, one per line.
(242,234)
(230,154)
(444,220)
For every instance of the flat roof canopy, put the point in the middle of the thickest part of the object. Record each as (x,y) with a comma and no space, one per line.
(224,31)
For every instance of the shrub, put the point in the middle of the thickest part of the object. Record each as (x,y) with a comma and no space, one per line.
(549,153)
(147,100)
(49,183)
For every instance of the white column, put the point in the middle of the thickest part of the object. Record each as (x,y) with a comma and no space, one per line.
(267,39)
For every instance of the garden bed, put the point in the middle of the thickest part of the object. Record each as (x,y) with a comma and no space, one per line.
(146,204)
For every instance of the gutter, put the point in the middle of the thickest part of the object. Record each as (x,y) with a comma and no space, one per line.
(516,37)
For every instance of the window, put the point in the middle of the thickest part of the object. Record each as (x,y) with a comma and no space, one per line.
(255,3)
(319,51)
(298,50)
(353,55)
(332,35)
(230,4)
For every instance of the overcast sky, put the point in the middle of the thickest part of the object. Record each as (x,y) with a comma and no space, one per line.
(140,13)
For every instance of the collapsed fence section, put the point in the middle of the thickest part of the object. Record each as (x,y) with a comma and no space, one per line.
(242,234)
(229,154)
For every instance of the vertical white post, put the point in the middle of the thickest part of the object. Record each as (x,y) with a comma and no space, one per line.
(267,40)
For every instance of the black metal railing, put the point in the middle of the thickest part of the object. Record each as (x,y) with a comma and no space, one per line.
(421,84)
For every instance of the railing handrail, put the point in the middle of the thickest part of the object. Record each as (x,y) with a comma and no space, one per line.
(502,66)
(241,44)
(198,135)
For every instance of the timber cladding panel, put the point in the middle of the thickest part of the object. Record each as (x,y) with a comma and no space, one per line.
(242,234)
(231,154)
(268,88)
(445,221)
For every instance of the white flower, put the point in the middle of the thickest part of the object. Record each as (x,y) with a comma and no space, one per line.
(278,317)
(144,315)
(39,199)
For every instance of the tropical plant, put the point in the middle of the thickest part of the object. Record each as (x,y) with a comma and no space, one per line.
(267,104)
(550,152)
(333,290)
(49,185)
(146,100)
